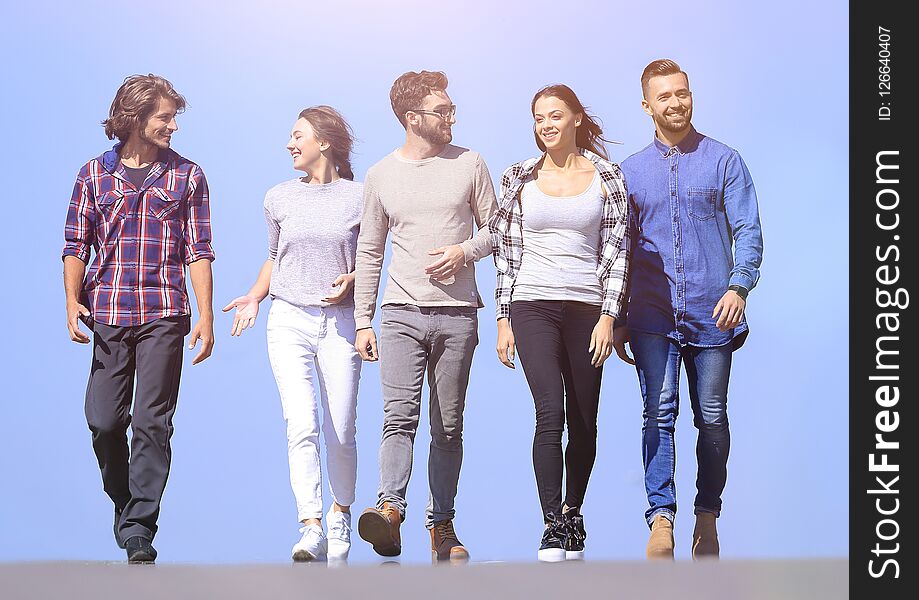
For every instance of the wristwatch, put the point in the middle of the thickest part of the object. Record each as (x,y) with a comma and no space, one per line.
(741,290)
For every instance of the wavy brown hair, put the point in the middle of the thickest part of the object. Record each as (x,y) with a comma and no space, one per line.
(328,125)
(589,135)
(136,101)
(410,88)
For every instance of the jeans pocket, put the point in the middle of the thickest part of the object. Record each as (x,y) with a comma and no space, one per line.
(702,202)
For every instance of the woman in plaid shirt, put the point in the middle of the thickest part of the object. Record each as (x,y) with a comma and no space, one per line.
(561,252)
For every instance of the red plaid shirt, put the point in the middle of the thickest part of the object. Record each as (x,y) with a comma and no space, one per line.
(142,238)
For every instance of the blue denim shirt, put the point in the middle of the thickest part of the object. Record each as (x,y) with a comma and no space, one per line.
(695,230)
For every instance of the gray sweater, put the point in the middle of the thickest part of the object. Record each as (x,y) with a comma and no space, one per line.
(312,238)
(424,204)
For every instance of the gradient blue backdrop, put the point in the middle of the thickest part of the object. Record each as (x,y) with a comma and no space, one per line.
(769,79)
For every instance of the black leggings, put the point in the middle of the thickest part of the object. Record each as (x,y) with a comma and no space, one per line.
(552,337)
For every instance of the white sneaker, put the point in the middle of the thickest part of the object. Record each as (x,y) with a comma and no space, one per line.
(339,524)
(313,545)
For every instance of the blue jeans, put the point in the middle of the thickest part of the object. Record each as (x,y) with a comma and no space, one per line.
(658,361)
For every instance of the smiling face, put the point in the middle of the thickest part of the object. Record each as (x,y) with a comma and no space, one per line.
(555,124)
(158,129)
(669,102)
(435,129)
(303,146)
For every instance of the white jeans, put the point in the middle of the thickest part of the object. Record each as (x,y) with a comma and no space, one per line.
(306,346)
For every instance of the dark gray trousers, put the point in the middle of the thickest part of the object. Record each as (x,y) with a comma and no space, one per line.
(147,356)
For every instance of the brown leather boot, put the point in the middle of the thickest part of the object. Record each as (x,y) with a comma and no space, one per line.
(380,527)
(705,537)
(660,544)
(445,545)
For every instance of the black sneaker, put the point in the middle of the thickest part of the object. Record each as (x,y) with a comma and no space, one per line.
(574,534)
(552,547)
(140,551)
(118,539)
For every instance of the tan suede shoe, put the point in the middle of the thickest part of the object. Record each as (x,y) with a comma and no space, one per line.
(380,527)
(705,538)
(660,544)
(444,544)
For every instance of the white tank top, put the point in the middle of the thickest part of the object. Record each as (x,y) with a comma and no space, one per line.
(561,241)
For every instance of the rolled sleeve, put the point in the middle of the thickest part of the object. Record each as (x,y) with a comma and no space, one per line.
(742,211)
(80,227)
(198,220)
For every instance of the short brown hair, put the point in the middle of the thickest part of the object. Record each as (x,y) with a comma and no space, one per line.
(663,66)
(136,101)
(410,89)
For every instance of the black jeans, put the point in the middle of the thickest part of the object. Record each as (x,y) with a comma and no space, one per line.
(151,354)
(552,337)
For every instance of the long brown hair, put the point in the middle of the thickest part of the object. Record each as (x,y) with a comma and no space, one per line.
(589,135)
(136,101)
(330,126)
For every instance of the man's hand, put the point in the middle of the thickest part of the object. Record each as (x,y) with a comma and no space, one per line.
(366,344)
(730,307)
(204,330)
(452,259)
(74,311)
(344,283)
(505,346)
(601,340)
(620,339)
(246,313)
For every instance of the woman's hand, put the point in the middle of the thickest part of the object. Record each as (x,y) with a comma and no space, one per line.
(344,283)
(601,340)
(505,346)
(246,313)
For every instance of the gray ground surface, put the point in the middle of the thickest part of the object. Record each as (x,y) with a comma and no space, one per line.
(778,580)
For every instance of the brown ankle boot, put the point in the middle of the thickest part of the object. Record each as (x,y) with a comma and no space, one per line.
(705,537)
(660,544)
(380,527)
(445,545)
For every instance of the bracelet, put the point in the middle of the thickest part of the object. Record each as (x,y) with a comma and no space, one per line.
(741,290)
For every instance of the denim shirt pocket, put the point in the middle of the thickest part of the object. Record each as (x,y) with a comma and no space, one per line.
(702,202)
(164,204)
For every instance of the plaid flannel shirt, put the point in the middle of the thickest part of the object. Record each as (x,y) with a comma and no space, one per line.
(506,228)
(142,238)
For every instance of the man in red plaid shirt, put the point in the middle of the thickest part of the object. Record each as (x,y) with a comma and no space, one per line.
(140,212)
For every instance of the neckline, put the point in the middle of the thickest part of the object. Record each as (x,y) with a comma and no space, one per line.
(578,195)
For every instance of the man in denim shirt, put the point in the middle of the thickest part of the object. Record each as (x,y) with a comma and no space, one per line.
(696,251)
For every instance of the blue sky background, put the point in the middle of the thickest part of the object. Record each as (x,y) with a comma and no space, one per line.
(769,79)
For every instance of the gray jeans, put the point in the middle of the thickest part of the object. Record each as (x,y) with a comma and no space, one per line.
(414,340)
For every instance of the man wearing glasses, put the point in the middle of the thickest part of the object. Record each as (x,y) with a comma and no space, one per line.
(427,194)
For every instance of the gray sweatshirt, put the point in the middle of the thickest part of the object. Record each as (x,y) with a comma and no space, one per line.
(312,238)
(424,204)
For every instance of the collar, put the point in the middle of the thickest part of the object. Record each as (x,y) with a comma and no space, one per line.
(688,144)
(111,162)
(527,166)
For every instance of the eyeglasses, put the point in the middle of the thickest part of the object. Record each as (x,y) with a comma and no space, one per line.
(443,113)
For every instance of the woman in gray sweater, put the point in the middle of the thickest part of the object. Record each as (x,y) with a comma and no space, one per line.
(313,224)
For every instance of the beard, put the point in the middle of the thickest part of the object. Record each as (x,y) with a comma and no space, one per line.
(436,135)
(155,139)
(675,123)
